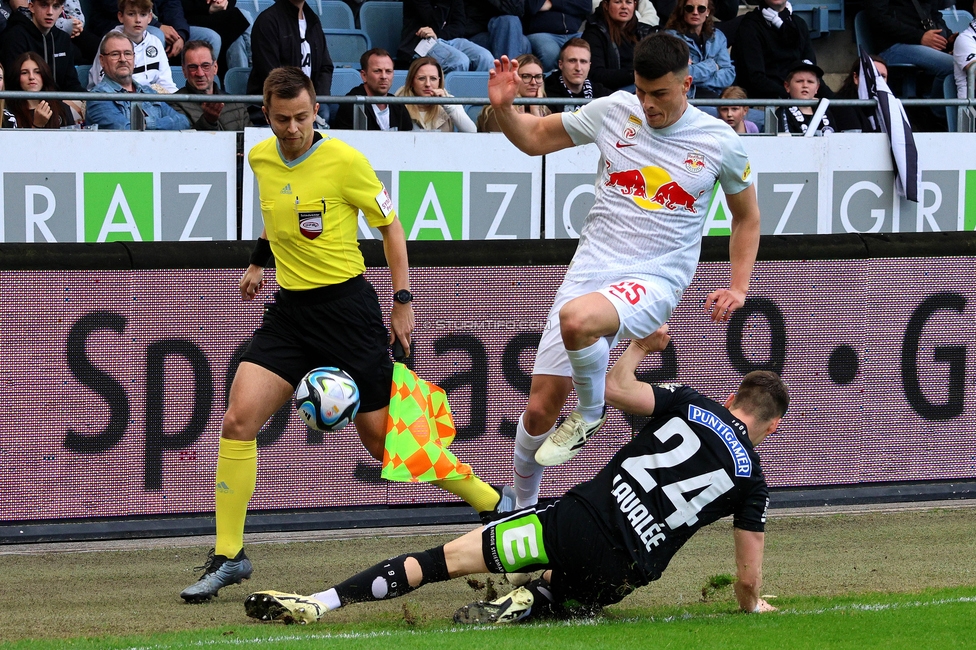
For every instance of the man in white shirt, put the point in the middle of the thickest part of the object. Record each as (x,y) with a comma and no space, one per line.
(640,243)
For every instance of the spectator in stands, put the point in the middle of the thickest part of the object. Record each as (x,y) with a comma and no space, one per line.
(37,34)
(647,12)
(377,75)
(963,56)
(72,23)
(289,33)
(8,7)
(913,31)
(803,82)
(117,56)
(151,67)
(497,26)
(7,119)
(530,85)
(229,23)
(444,21)
(35,76)
(612,34)
(572,79)
(169,25)
(735,116)
(548,24)
(857,119)
(426,79)
(200,68)
(711,67)
(769,40)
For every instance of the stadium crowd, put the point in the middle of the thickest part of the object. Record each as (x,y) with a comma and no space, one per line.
(574,48)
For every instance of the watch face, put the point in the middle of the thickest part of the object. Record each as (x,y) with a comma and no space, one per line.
(403,296)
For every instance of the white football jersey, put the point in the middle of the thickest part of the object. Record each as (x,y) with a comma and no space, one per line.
(653,189)
(963,54)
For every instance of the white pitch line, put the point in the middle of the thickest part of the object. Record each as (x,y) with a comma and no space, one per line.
(858,607)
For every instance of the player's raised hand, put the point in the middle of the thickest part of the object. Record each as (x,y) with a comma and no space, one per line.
(252,282)
(503,82)
(656,341)
(720,304)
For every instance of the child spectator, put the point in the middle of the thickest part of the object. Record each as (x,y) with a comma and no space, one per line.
(35,76)
(803,82)
(735,116)
(151,66)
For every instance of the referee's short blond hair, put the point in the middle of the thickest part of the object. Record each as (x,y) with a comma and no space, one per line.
(287,82)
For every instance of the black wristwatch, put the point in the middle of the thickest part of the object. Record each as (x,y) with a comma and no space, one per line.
(403,296)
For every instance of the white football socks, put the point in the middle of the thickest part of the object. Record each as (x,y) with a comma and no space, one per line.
(329,597)
(527,473)
(590,378)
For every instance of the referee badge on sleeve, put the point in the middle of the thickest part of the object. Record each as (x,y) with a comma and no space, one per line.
(384,202)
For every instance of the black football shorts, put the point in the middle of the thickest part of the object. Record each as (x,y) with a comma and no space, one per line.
(339,325)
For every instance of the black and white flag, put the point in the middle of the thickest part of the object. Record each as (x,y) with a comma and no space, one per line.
(890,114)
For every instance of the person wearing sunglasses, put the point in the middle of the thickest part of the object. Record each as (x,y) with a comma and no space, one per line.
(531,80)
(710,66)
(612,34)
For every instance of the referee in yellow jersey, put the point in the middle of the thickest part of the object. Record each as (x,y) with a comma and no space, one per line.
(312,188)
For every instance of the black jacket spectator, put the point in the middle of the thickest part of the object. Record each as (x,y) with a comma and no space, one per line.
(610,64)
(229,24)
(105,17)
(234,117)
(763,54)
(565,16)
(477,13)
(445,17)
(399,117)
(897,21)
(275,42)
(22,35)
(556,88)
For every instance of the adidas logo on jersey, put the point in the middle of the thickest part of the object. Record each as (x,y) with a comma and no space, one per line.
(286,189)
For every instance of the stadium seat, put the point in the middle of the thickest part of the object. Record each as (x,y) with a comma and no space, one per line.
(399,78)
(346,46)
(468,84)
(821,17)
(261,5)
(344,80)
(952,112)
(235,81)
(904,73)
(336,15)
(383,21)
(956,19)
(178,77)
(83,72)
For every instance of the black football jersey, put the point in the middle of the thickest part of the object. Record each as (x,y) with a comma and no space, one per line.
(691,465)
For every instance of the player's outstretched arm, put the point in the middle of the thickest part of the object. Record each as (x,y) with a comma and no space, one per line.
(743,246)
(748,559)
(395,249)
(624,391)
(532,134)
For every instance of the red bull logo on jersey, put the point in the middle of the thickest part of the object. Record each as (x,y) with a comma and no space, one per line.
(652,188)
(694,161)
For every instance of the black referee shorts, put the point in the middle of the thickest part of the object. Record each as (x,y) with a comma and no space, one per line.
(587,569)
(339,325)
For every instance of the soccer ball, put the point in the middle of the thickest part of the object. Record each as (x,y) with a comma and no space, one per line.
(327,399)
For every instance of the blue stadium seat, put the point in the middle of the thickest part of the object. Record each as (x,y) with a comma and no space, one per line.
(821,17)
(399,78)
(468,84)
(83,72)
(235,81)
(261,5)
(952,112)
(344,80)
(336,15)
(956,19)
(178,77)
(903,74)
(383,21)
(346,46)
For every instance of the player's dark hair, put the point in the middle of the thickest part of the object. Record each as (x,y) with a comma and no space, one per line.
(763,395)
(659,54)
(376,51)
(287,82)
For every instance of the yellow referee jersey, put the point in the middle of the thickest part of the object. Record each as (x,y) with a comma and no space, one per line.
(310,208)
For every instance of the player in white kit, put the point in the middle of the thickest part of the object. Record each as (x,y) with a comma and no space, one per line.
(640,243)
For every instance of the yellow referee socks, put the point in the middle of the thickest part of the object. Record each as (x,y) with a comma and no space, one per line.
(479,495)
(237,472)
